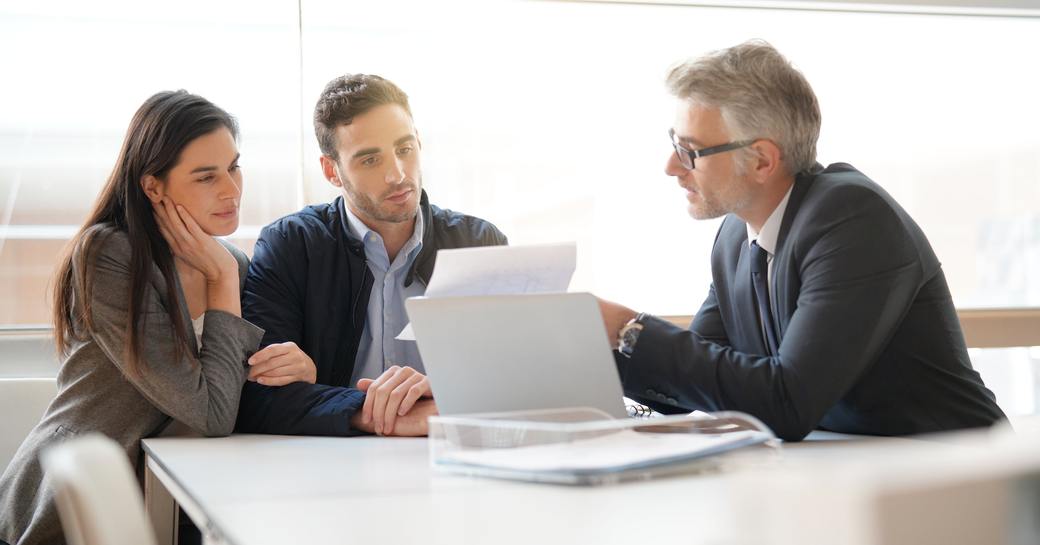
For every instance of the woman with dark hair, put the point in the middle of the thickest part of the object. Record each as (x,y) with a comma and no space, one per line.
(147,315)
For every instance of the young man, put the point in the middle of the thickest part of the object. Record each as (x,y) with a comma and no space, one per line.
(828,308)
(328,283)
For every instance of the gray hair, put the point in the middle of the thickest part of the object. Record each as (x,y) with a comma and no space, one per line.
(759,94)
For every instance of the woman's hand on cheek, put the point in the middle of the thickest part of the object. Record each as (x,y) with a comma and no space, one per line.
(191,244)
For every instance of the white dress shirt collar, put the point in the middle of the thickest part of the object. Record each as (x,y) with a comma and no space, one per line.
(771,228)
(372,239)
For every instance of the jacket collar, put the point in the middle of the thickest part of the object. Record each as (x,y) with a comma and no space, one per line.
(423,264)
(802,182)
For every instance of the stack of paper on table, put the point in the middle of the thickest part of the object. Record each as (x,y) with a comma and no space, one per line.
(592,452)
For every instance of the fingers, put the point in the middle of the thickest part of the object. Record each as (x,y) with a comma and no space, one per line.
(189,222)
(269,364)
(415,424)
(397,395)
(163,222)
(166,234)
(274,367)
(293,371)
(171,227)
(364,384)
(273,350)
(419,390)
(174,221)
(370,398)
(279,364)
(277,381)
(356,423)
(383,403)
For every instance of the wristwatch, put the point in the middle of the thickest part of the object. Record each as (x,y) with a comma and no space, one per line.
(629,334)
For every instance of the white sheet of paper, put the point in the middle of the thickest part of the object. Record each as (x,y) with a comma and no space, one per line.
(503,270)
(500,270)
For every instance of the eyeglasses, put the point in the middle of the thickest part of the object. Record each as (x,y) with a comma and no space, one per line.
(686,156)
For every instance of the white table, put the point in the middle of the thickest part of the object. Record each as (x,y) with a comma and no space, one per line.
(253,489)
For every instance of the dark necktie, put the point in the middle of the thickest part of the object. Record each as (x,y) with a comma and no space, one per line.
(760,281)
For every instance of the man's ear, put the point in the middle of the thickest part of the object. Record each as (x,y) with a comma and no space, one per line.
(153,188)
(330,170)
(767,160)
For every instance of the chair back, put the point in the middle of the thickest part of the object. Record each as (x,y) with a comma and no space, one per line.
(97,495)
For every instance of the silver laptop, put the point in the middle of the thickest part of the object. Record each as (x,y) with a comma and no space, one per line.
(497,353)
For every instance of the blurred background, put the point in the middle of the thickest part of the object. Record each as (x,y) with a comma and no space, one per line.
(549,119)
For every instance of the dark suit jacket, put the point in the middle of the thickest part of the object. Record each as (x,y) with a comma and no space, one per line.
(869,337)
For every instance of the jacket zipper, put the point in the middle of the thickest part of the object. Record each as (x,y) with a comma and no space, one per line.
(357,294)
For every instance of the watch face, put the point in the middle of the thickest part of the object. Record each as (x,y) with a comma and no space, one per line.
(629,335)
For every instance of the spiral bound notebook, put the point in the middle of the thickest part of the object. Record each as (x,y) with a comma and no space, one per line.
(638,410)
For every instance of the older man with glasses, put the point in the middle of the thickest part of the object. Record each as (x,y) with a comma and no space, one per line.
(828,308)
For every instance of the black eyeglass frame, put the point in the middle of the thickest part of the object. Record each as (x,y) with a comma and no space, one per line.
(690,155)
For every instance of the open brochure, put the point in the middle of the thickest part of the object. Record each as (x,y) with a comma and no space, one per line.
(567,446)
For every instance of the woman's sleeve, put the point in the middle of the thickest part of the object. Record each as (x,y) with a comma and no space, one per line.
(202,392)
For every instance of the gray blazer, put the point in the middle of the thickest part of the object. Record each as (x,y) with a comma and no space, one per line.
(95,394)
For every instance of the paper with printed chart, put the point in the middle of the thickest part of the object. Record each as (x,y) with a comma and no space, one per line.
(500,270)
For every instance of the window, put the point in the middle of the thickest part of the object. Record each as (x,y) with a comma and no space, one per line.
(74,73)
(548,119)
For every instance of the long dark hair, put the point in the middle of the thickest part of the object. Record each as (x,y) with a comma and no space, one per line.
(162,127)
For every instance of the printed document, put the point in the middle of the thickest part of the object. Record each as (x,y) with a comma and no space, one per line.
(500,270)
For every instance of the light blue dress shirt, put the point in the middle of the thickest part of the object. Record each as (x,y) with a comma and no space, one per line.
(386,313)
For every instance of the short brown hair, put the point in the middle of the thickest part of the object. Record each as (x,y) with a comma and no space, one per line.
(348,96)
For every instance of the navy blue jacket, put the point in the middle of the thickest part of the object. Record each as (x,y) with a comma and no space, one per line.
(309,283)
(869,337)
